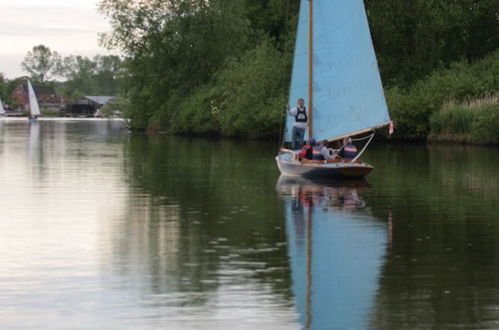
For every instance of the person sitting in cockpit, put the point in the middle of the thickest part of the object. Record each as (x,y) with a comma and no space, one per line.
(349,150)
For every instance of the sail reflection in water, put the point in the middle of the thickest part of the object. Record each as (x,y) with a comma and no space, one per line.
(336,248)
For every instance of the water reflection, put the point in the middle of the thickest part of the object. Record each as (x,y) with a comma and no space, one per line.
(336,248)
(112,230)
(200,237)
(442,268)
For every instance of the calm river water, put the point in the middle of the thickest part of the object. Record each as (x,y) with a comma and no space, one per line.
(102,229)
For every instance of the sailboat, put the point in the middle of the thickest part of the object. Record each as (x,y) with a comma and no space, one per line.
(33,103)
(335,67)
(336,249)
(2,110)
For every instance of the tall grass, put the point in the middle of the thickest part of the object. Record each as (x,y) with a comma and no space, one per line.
(424,109)
(471,121)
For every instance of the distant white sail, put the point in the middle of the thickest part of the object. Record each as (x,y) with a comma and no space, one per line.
(33,102)
(2,110)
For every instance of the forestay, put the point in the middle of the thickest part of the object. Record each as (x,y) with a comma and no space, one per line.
(348,95)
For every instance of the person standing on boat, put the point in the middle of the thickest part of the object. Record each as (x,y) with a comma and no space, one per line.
(301,123)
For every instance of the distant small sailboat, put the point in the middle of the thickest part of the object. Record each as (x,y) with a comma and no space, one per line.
(33,103)
(2,110)
(335,65)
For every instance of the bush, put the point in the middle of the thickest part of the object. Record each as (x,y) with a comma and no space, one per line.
(485,127)
(476,121)
(245,98)
(412,108)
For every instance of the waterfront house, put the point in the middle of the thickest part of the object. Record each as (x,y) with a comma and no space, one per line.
(88,106)
(47,97)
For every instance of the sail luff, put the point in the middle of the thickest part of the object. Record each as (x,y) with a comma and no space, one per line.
(33,102)
(310,68)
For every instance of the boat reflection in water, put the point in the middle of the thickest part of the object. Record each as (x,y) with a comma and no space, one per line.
(336,249)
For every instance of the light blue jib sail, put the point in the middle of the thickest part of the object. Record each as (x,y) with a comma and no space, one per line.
(348,95)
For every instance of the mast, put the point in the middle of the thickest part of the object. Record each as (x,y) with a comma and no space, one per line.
(310,66)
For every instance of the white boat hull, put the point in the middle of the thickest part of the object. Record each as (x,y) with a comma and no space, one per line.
(288,166)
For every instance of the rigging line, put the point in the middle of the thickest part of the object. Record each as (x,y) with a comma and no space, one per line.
(363,149)
(363,138)
(283,85)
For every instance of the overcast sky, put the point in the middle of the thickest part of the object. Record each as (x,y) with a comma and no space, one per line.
(66,26)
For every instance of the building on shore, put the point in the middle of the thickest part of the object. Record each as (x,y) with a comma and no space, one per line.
(88,106)
(47,97)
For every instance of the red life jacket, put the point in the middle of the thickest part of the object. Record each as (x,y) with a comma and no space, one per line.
(307,152)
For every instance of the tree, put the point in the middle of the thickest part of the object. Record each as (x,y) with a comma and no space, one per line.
(173,47)
(3,87)
(79,72)
(100,75)
(414,38)
(109,74)
(40,63)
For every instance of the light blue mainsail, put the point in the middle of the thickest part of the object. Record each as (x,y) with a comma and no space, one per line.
(348,95)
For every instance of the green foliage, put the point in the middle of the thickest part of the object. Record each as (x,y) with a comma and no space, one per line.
(485,127)
(41,63)
(113,109)
(50,112)
(452,120)
(464,123)
(413,107)
(3,88)
(414,38)
(246,99)
(101,75)
(175,50)
(216,67)
(7,86)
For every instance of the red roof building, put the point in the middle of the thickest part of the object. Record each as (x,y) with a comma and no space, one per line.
(46,96)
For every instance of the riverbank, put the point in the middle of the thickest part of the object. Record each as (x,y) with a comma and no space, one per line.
(454,105)
(224,69)
(458,104)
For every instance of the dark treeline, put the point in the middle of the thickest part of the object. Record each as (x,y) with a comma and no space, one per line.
(222,67)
